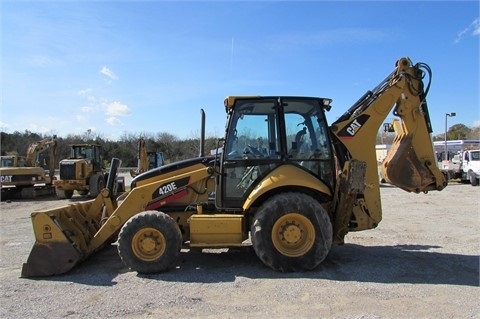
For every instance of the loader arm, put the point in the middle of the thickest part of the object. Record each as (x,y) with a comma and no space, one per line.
(410,163)
(68,235)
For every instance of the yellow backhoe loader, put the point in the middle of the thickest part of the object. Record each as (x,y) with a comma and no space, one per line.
(29,176)
(147,160)
(284,179)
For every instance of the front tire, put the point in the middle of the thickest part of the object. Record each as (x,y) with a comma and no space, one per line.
(291,232)
(96,184)
(64,193)
(149,242)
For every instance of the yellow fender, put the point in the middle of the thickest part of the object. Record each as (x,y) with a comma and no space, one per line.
(288,176)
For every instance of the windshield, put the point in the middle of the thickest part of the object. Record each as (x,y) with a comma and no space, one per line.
(475,155)
(7,162)
(82,152)
(258,126)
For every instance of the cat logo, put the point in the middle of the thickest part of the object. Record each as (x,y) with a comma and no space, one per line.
(7,178)
(351,129)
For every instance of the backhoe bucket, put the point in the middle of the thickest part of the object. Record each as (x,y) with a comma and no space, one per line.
(410,165)
(61,239)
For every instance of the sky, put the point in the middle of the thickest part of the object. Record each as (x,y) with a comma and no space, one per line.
(122,68)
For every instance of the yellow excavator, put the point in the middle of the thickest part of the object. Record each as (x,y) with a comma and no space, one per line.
(28,176)
(283,179)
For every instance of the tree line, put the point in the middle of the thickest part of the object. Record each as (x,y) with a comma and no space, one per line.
(126,148)
(460,132)
(172,147)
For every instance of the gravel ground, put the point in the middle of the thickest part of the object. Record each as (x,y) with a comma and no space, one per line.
(421,262)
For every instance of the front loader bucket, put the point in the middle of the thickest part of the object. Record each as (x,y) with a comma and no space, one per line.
(62,239)
(50,259)
(67,235)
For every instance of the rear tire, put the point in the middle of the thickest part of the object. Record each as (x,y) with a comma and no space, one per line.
(96,184)
(291,232)
(149,242)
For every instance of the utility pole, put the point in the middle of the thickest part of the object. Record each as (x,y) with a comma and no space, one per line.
(452,114)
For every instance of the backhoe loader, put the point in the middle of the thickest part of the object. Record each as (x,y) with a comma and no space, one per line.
(146,159)
(284,180)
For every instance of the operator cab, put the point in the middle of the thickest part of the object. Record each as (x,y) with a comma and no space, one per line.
(264,133)
(92,153)
(7,161)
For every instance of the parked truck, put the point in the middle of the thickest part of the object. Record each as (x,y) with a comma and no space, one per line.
(462,160)
(464,166)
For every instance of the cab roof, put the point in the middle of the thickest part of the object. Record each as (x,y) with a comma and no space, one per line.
(229,101)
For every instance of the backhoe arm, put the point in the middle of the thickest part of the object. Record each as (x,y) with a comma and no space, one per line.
(410,163)
(38,147)
(142,164)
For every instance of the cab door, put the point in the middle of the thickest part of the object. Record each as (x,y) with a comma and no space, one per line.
(251,150)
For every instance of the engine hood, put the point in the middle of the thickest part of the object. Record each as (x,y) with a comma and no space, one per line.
(169,168)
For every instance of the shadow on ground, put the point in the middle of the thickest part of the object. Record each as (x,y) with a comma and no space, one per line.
(379,264)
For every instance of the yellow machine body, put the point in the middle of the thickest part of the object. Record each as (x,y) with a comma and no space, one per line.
(28,176)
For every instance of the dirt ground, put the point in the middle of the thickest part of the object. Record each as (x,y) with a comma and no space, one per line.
(421,262)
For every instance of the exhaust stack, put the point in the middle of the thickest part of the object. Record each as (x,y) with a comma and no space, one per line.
(202,133)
